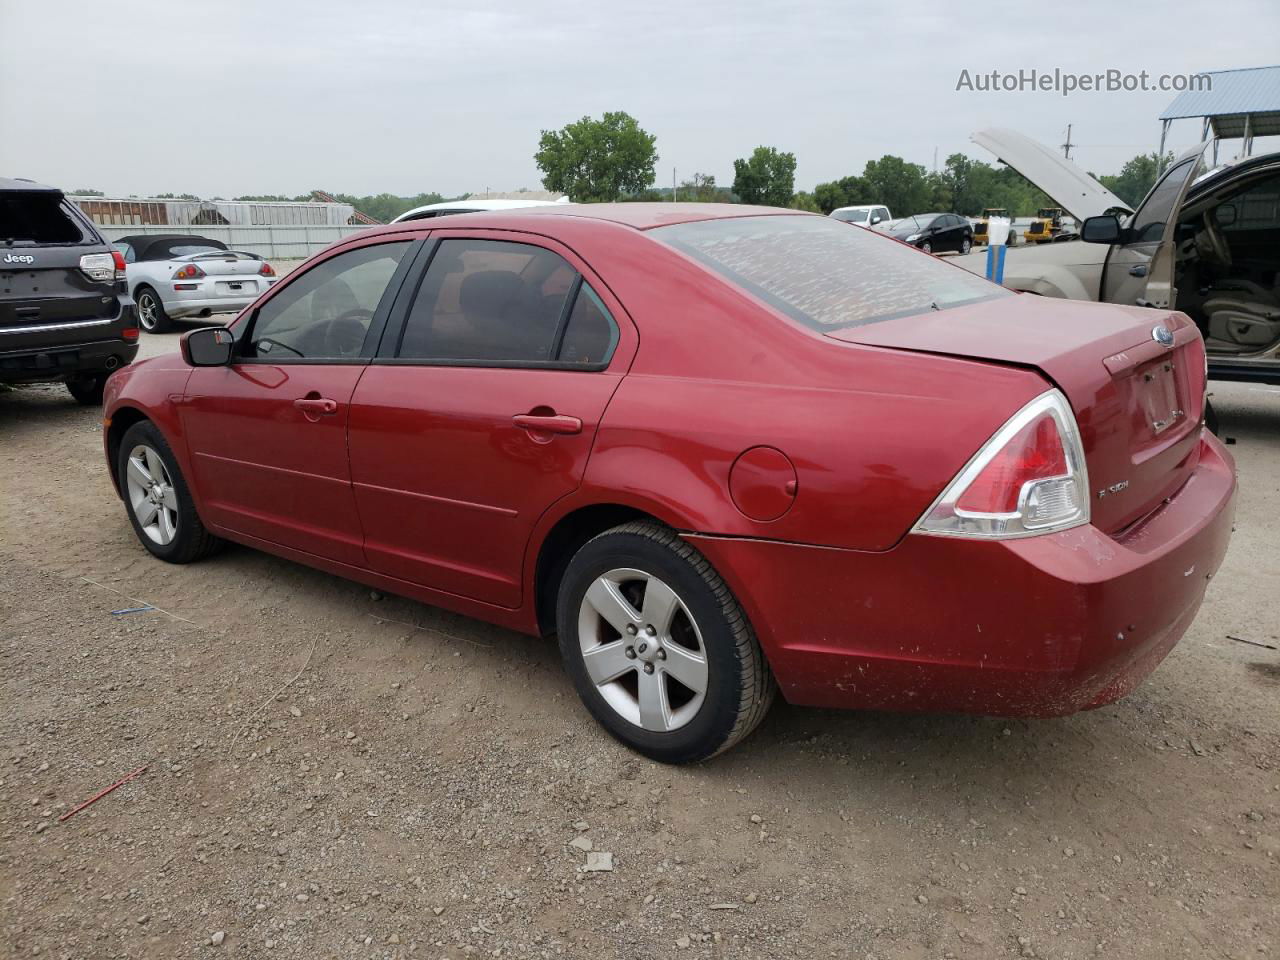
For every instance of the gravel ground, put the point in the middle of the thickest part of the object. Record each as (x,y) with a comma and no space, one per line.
(429,786)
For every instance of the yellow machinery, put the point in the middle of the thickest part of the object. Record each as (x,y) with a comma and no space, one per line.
(1046,225)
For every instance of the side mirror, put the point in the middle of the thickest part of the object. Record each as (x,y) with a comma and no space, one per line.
(1103,229)
(875,220)
(208,347)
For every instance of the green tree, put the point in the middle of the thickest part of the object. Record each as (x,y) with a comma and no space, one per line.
(176,196)
(1136,177)
(901,186)
(804,201)
(597,160)
(87,193)
(702,189)
(766,177)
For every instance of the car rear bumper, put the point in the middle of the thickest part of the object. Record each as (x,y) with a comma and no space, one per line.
(1042,626)
(57,362)
(204,301)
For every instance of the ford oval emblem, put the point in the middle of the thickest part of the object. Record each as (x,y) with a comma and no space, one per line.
(1162,335)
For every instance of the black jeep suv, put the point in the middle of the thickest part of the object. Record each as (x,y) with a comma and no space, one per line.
(65,310)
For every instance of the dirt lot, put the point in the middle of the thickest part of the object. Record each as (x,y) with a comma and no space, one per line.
(416,791)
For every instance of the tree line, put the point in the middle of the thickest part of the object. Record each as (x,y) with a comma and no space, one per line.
(614,159)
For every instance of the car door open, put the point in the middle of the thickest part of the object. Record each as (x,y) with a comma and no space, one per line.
(1140,269)
(480,411)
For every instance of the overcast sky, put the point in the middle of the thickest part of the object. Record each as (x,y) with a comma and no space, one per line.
(362,97)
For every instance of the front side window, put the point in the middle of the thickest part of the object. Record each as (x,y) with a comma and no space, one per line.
(491,302)
(822,275)
(1147,225)
(325,314)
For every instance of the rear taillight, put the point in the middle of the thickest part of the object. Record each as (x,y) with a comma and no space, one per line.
(98,266)
(117,259)
(189,272)
(129,333)
(266,270)
(1029,478)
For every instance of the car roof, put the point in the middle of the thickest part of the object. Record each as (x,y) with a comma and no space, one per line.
(860,206)
(471,206)
(18,184)
(640,216)
(143,242)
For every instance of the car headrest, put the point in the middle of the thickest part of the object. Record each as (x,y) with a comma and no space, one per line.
(489,292)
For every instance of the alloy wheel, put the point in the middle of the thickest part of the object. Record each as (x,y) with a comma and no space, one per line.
(147,310)
(642,650)
(152,497)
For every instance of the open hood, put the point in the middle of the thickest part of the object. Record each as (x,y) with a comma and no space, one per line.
(1065,183)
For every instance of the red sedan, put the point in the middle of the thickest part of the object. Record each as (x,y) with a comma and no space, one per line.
(717,450)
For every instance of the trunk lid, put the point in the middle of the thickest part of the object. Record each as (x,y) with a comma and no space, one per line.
(1137,401)
(221,263)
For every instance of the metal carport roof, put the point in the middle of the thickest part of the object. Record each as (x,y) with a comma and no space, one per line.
(1236,103)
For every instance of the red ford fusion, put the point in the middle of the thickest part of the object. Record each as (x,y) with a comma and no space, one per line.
(718,451)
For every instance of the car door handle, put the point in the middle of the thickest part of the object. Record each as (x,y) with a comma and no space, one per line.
(1138,270)
(317,406)
(549,423)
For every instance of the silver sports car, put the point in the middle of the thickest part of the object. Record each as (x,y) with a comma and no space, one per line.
(173,276)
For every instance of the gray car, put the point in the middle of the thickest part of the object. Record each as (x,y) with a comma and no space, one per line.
(175,276)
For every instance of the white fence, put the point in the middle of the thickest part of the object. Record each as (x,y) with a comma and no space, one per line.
(275,242)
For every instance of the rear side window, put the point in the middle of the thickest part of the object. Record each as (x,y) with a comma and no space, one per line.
(37,218)
(491,302)
(591,334)
(823,275)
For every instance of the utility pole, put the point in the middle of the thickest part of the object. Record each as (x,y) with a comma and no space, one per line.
(935,159)
(1066,147)
(673,184)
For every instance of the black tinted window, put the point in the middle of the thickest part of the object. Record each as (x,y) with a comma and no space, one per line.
(488,301)
(591,335)
(823,274)
(1149,222)
(36,218)
(325,313)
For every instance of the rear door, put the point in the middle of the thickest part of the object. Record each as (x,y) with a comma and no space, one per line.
(481,409)
(267,434)
(44,290)
(1141,270)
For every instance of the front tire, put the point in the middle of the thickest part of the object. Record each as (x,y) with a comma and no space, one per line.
(87,389)
(157,498)
(927,247)
(151,314)
(657,646)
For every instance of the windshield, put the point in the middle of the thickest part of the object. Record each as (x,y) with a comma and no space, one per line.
(822,275)
(851,216)
(911,224)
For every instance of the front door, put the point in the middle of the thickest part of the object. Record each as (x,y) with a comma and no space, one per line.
(481,410)
(267,434)
(1141,269)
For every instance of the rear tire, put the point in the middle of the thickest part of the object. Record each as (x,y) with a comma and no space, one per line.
(167,523)
(965,246)
(87,389)
(645,690)
(151,314)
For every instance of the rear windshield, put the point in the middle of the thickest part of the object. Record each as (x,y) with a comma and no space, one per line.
(824,274)
(36,218)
